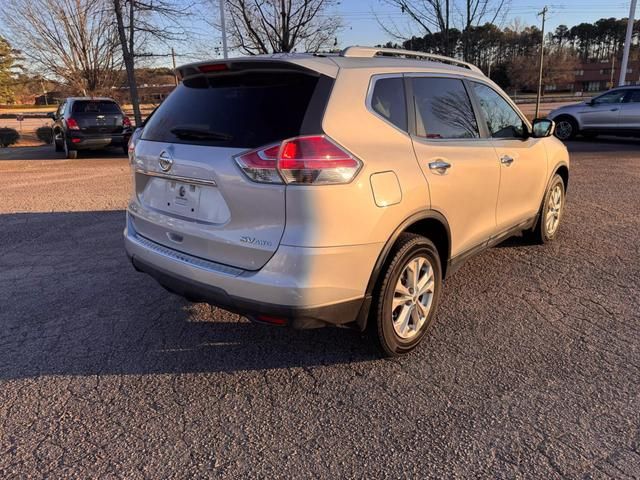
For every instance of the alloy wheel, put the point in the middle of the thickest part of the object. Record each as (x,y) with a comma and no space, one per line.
(554,210)
(564,129)
(413,297)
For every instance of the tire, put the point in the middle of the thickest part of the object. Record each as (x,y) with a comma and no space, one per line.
(543,233)
(69,153)
(566,128)
(397,299)
(57,143)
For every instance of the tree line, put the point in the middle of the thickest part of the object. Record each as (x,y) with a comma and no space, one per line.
(86,44)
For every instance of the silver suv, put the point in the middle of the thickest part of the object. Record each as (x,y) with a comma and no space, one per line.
(616,112)
(313,190)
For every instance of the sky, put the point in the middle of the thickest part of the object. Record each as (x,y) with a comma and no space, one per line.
(362,28)
(361,25)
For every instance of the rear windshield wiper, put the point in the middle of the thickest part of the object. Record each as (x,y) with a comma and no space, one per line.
(196,134)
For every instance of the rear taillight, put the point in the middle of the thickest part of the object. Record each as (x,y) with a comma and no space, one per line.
(260,165)
(126,122)
(309,160)
(72,124)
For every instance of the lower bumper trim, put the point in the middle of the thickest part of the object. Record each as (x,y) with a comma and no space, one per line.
(297,317)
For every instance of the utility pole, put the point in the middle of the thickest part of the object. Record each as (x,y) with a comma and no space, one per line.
(627,43)
(544,16)
(613,69)
(223,29)
(173,58)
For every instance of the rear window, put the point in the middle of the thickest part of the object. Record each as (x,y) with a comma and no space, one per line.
(95,106)
(244,110)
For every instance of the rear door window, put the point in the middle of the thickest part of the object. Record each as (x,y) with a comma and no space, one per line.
(443,109)
(633,97)
(388,101)
(242,110)
(95,106)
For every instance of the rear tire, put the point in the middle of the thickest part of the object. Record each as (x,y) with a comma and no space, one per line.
(69,153)
(407,295)
(566,128)
(551,213)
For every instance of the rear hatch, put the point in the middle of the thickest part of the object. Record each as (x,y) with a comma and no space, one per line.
(194,196)
(98,116)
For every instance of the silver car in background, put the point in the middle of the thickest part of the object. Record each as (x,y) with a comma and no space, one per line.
(616,112)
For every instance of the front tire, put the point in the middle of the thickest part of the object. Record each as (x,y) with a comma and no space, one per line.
(551,212)
(407,296)
(566,128)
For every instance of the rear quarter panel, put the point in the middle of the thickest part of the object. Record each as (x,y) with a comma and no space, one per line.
(325,216)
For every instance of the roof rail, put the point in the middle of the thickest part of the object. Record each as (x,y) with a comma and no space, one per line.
(370,52)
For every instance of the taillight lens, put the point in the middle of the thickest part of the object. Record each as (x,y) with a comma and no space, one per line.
(72,124)
(308,160)
(316,160)
(261,165)
(126,122)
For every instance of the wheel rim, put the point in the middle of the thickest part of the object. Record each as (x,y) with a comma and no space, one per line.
(563,129)
(554,210)
(413,297)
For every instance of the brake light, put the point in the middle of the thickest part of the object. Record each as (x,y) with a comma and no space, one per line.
(126,122)
(308,160)
(72,124)
(316,160)
(215,67)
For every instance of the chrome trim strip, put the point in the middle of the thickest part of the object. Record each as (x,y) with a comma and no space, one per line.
(177,178)
(183,257)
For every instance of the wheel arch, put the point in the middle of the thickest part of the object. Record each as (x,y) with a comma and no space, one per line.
(563,171)
(428,223)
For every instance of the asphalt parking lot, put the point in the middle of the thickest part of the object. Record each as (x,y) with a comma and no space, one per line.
(531,370)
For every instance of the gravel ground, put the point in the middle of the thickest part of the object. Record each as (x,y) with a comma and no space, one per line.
(532,368)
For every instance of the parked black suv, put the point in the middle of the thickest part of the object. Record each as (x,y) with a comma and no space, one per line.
(85,123)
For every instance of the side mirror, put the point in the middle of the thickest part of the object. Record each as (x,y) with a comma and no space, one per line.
(542,127)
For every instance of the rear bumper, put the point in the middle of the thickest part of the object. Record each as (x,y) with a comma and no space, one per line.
(298,287)
(80,141)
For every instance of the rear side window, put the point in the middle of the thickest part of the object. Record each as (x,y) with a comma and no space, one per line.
(95,106)
(634,96)
(244,110)
(388,101)
(502,119)
(443,109)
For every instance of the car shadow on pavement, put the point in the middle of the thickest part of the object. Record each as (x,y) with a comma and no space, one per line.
(47,152)
(71,304)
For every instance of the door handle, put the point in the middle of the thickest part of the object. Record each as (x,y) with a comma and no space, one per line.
(506,160)
(439,166)
(615,109)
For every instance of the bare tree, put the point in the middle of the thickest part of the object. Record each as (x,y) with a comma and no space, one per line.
(439,18)
(476,13)
(272,26)
(559,70)
(73,40)
(430,16)
(138,21)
